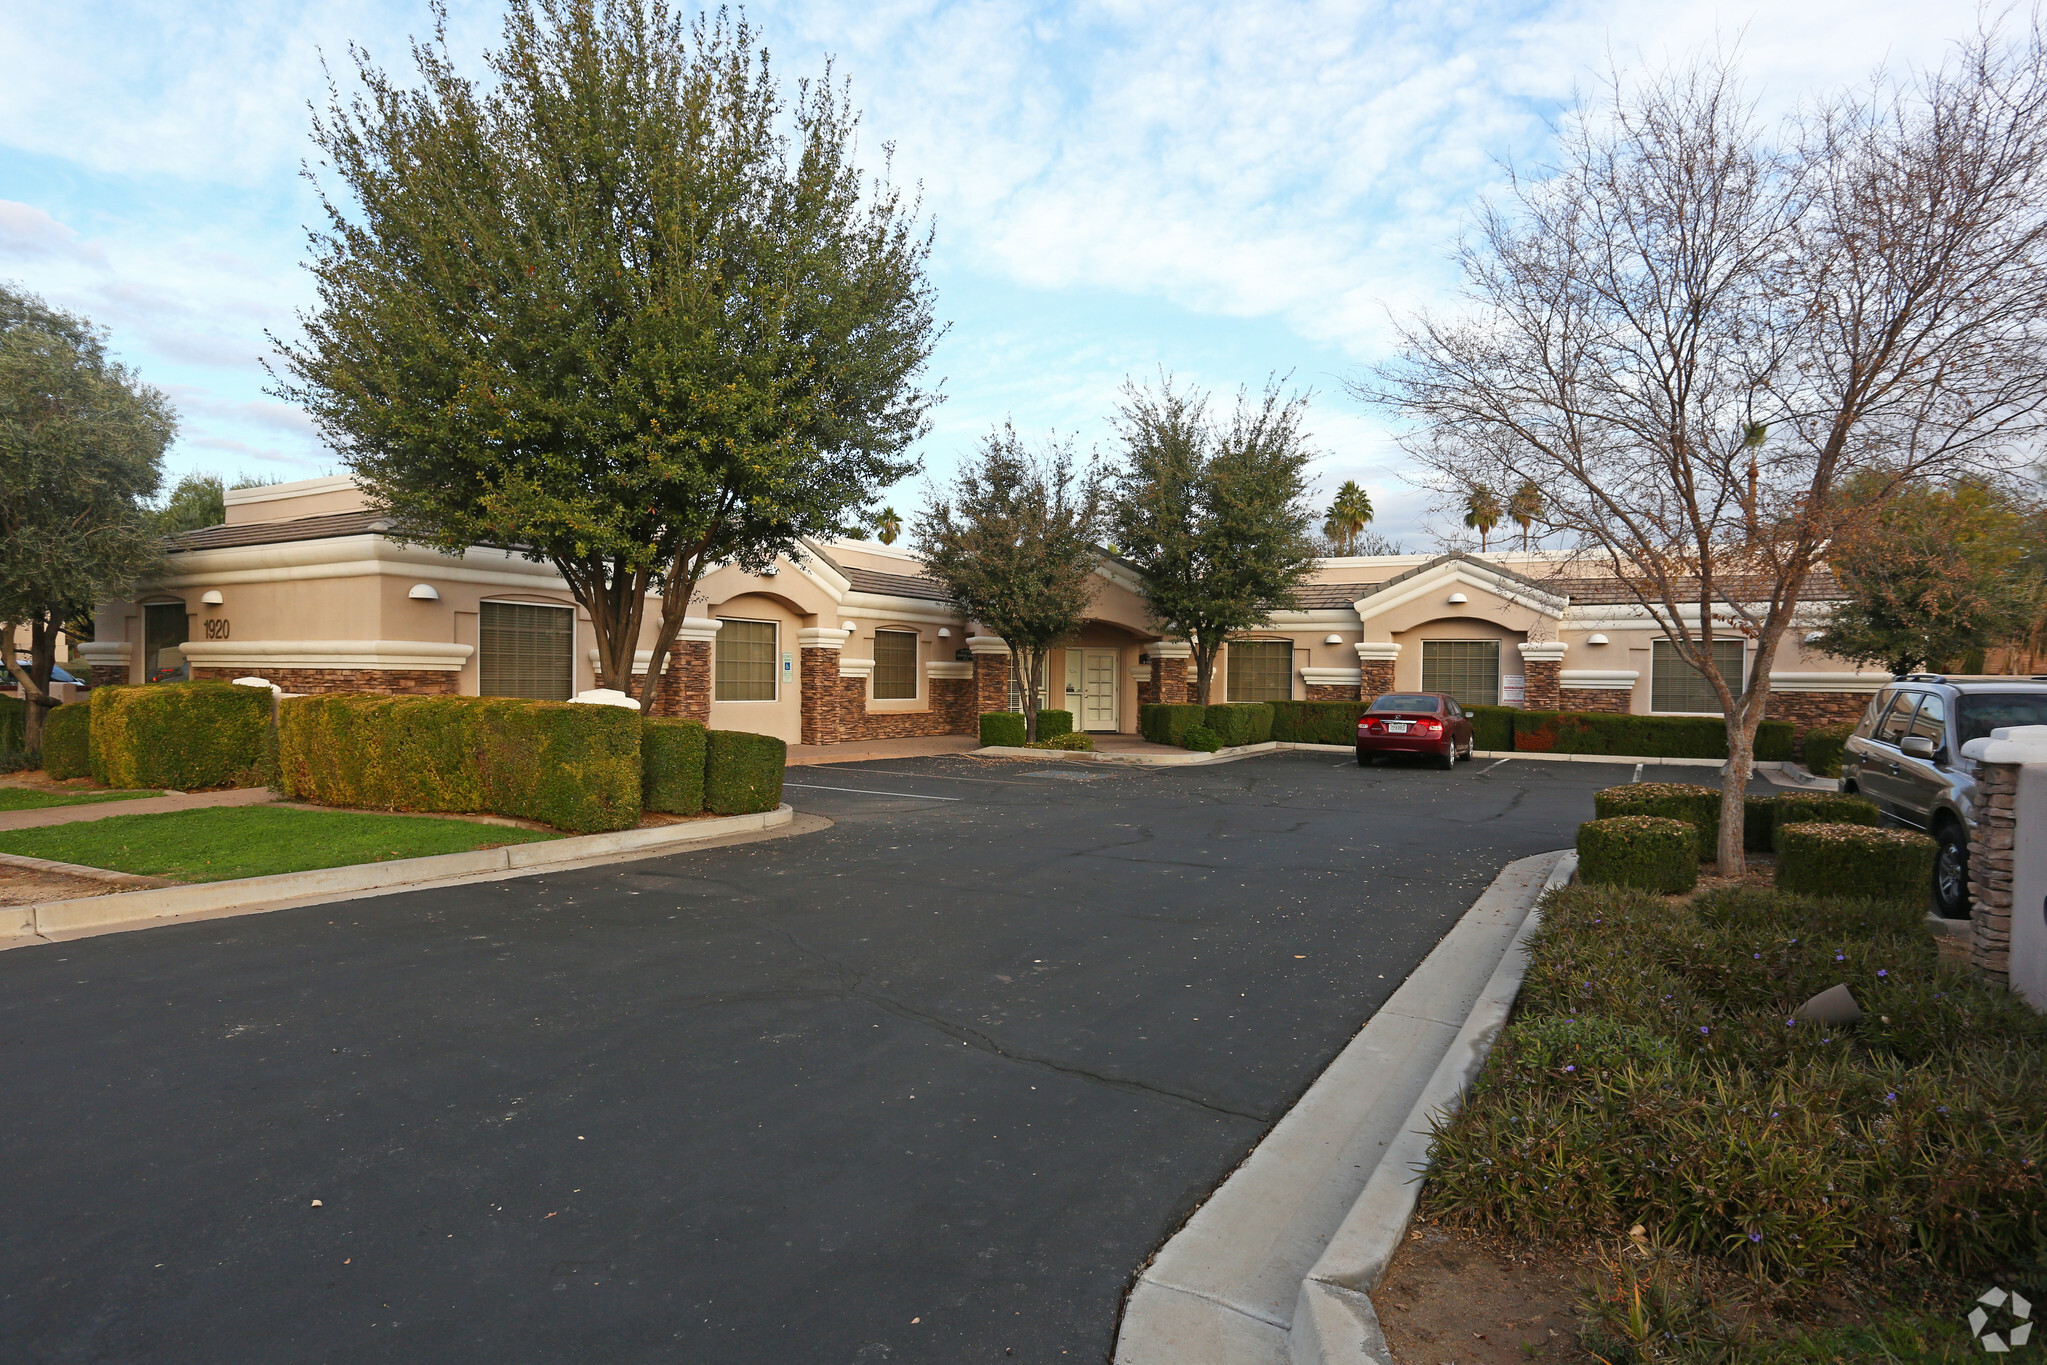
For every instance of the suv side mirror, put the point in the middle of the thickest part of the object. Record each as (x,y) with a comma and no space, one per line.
(1917,746)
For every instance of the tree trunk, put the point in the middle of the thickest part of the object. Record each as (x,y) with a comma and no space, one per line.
(1033,661)
(1204,670)
(1732,854)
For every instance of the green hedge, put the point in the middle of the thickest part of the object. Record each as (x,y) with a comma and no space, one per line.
(1006,728)
(1824,808)
(1697,806)
(1317,722)
(1243,722)
(1855,860)
(67,742)
(672,765)
(188,736)
(743,772)
(1824,745)
(1201,739)
(577,768)
(13,724)
(1597,732)
(1492,727)
(1169,722)
(1647,851)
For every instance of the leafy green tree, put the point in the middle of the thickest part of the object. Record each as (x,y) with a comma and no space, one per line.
(1481,513)
(888,526)
(1350,511)
(1216,517)
(1525,508)
(81,450)
(628,309)
(1938,573)
(1014,546)
(196,501)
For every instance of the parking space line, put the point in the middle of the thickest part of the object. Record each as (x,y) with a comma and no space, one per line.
(1638,774)
(868,791)
(1490,767)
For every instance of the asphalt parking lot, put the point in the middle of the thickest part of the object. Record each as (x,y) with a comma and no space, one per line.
(926,1086)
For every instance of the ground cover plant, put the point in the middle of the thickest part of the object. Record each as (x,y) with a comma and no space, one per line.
(223,842)
(27,798)
(1656,1076)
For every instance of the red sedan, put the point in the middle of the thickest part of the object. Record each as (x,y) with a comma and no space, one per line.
(1428,723)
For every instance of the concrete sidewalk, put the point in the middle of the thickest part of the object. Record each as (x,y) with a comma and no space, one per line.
(147,805)
(859,750)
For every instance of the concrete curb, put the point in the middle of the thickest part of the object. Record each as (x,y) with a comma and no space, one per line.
(1783,773)
(52,921)
(1227,1288)
(1334,1321)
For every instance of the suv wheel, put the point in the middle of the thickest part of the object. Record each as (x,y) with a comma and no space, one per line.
(1951,872)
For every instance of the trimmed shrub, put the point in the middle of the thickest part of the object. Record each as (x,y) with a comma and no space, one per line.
(1002,728)
(1854,860)
(1758,823)
(1202,739)
(672,765)
(1071,742)
(67,742)
(1598,732)
(1824,745)
(1698,806)
(1646,851)
(1243,722)
(743,772)
(1169,722)
(1316,722)
(13,724)
(189,736)
(1492,727)
(577,768)
(1823,808)
(1052,724)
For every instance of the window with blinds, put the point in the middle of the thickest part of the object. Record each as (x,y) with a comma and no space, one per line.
(1675,685)
(1016,697)
(744,661)
(895,665)
(524,650)
(1468,670)
(1261,670)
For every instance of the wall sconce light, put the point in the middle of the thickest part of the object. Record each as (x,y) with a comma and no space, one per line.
(944,633)
(1458,599)
(1333,640)
(849,628)
(1595,639)
(1813,637)
(211,599)
(423,592)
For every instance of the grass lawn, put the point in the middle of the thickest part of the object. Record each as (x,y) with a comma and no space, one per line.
(1738,1171)
(224,842)
(21,798)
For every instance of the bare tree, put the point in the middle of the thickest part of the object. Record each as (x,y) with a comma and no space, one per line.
(1691,335)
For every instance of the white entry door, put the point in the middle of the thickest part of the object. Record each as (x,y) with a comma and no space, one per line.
(1098,690)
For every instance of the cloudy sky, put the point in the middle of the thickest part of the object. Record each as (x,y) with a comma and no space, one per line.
(1225,190)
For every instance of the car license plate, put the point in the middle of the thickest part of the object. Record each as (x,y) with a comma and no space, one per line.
(1398,727)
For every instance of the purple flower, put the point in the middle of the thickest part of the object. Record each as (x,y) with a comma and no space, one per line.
(1755,1236)
(1704,1029)
(1759,957)
(1891,1098)
(1881,972)
(1570,1068)
(1788,1023)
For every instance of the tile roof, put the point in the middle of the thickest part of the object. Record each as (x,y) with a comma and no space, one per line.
(1604,590)
(277,532)
(1322,596)
(892,584)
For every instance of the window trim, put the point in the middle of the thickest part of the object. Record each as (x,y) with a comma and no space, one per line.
(1671,648)
(774,662)
(916,679)
(568,607)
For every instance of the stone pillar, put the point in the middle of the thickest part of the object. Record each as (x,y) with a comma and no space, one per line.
(2008,861)
(1611,690)
(108,660)
(820,686)
(1375,667)
(1810,699)
(1147,688)
(954,688)
(685,686)
(1542,667)
(1170,665)
(991,675)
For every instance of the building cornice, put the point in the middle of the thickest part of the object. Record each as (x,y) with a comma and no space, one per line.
(429,655)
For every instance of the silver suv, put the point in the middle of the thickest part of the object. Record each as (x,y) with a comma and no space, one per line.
(1906,756)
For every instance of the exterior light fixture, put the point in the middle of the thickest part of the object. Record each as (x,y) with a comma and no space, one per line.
(1333,640)
(423,592)
(211,599)
(1813,637)
(944,633)
(1595,639)
(849,628)
(1458,599)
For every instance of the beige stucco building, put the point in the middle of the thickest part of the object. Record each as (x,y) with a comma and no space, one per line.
(304,586)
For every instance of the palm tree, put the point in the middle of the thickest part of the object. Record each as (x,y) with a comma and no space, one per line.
(888,526)
(1525,508)
(1349,512)
(1482,513)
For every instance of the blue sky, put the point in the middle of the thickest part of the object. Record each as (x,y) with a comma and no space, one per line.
(1224,190)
